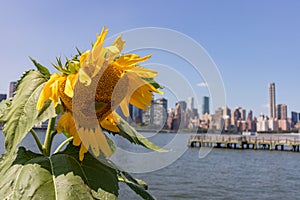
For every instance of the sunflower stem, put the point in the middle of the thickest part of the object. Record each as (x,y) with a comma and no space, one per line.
(49,137)
(63,144)
(37,140)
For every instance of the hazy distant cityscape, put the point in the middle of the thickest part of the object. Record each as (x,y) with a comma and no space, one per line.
(184,116)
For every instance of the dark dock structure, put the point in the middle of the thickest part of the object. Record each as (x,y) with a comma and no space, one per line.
(290,142)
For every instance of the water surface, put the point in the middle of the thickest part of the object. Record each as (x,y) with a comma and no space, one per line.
(222,174)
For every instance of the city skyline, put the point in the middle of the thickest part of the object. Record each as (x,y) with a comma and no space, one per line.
(279,111)
(252,43)
(185,115)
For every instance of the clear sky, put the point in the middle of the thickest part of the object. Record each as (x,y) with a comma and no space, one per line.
(251,42)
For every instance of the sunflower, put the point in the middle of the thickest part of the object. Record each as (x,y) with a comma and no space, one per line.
(92,87)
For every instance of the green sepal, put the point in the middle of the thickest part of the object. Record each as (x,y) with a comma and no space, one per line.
(153,83)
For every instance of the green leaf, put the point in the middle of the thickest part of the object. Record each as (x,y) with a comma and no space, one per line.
(58,177)
(136,185)
(133,136)
(4,105)
(41,68)
(22,115)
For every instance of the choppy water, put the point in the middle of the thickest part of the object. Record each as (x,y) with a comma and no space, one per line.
(222,174)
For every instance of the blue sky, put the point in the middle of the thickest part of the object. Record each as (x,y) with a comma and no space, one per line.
(251,42)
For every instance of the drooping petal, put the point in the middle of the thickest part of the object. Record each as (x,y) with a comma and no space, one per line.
(54,91)
(130,60)
(47,91)
(124,107)
(143,72)
(110,124)
(82,151)
(93,142)
(84,78)
(70,85)
(104,146)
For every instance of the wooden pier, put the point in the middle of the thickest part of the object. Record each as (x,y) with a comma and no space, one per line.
(289,142)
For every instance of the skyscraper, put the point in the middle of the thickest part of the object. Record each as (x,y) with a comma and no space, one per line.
(272,100)
(281,111)
(190,103)
(160,111)
(183,105)
(205,105)
(294,117)
(12,88)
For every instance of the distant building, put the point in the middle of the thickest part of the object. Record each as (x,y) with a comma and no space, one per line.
(236,116)
(160,114)
(284,125)
(252,124)
(227,118)
(273,124)
(250,115)
(205,105)
(3,97)
(190,103)
(183,105)
(176,123)
(295,118)
(243,113)
(262,123)
(136,115)
(226,112)
(12,88)
(272,97)
(147,117)
(281,111)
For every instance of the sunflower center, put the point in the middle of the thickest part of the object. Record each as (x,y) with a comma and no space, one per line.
(107,89)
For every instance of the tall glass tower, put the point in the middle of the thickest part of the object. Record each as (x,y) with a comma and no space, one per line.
(272,100)
(205,105)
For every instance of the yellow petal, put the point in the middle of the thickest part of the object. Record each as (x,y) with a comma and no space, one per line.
(109,124)
(93,142)
(113,49)
(131,59)
(124,107)
(104,146)
(45,94)
(143,72)
(84,78)
(84,56)
(47,91)
(99,62)
(82,151)
(70,84)
(119,43)
(76,139)
(98,44)
(63,122)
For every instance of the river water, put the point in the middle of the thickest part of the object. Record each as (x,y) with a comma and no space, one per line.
(222,174)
